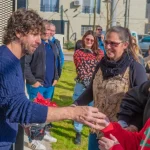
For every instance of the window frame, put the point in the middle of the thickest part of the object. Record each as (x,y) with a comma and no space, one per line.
(49,6)
(90,9)
(21,4)
(83,31)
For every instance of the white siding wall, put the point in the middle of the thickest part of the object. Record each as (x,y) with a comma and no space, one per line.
(6,8)
(137,19)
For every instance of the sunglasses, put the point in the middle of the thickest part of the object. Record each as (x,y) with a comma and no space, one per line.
(113,44)
(91,40)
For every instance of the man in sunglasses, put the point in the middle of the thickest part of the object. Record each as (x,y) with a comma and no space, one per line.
(100,37)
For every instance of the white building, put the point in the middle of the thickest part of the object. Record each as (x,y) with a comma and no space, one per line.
(74,17)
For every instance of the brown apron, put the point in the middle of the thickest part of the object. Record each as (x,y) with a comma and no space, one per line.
(108,94)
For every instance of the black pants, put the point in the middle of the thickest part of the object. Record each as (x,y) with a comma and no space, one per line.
(19,145)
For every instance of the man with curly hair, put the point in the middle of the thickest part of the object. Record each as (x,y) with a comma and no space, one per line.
(22,36)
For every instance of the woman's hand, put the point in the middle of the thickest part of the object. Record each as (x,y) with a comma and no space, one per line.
(107,144)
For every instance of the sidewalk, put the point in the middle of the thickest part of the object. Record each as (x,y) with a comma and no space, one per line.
(68,55)
(46,143)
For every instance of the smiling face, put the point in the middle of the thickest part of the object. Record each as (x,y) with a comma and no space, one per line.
(114,46)
(52,30)
(30,42)
(89,41)
(46,33)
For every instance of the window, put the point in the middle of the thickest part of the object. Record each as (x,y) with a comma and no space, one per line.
(88,6)
(50,5)
(85,28)
(21,4)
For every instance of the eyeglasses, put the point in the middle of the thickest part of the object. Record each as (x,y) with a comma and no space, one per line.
(113,44)
(91,40)
(99,29)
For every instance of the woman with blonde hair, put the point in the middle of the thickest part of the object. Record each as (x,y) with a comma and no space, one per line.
(137,51)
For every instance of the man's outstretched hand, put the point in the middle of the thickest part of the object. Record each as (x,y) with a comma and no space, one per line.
(87,115)
(91,117)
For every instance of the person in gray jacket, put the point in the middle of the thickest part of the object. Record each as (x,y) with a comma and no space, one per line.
(41,72)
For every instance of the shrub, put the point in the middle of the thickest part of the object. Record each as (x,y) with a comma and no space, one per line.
(69,45)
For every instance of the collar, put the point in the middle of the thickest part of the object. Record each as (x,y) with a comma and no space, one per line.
(86,50)
(45,42)
(53,39)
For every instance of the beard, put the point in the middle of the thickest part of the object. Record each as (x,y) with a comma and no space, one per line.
(26,50)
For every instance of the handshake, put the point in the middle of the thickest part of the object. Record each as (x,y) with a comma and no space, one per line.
(91,117)
(87,115)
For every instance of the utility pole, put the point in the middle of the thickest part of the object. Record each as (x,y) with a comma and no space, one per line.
(128,12)
(62,19)
(27,3)
(125,15)
(94,21)
(89,18)
(126,19)
(61,12)
(113,12)
(107,9)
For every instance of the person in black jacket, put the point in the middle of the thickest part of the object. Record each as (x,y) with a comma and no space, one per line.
(41,72)
(135,106)
(40,68)
(78,45)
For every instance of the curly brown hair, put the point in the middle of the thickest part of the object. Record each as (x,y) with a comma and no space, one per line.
(22,21)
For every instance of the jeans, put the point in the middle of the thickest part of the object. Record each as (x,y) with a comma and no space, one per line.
(53,92)
(93,142)
(78,90)
(47,93)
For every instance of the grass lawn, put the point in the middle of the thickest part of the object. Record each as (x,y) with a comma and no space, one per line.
(64,131)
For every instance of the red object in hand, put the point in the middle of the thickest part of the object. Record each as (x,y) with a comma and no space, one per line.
(42,101)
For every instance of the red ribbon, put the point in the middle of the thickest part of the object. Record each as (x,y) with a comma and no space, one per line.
(42,101)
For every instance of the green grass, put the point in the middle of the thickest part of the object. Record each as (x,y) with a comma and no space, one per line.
(64,131)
